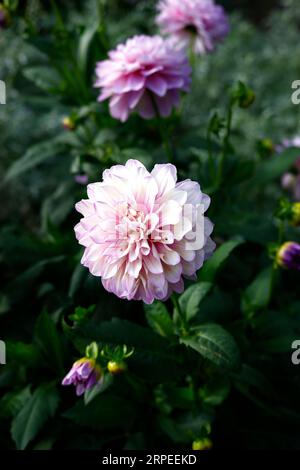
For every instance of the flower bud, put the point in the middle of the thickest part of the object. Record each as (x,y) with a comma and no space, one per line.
(84,374)
(202,444)
(265,147)
(116,368)
(243,95)
(295,219)
(288,256)
(4,17)
(68,123)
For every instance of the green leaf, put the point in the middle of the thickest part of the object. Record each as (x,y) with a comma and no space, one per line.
(81,314)
(34,156)
(279,345)
(78,277)
(91,351)
(85,43)
(253,379)
(258,294)
(45,78)
(274,167)
(93,392)
(49,342)
(216,344)
(104,412)
(58,205)
(28,422)
(190,300)
(215,391)
(186,428)
(23,353)
(215,263)
(159,318)
(22,284)
(12,402)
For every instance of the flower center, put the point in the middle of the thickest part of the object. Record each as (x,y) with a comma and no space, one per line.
(191,29)
(134,225)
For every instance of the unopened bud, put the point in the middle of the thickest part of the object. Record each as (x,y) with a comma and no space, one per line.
(68,123)
(243,95)
(202,444)
(115,367)
(288,256)
(295,219)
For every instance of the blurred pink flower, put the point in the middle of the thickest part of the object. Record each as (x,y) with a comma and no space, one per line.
(143,231)
(201,23)
(291,181)
(143,71)
(82,179)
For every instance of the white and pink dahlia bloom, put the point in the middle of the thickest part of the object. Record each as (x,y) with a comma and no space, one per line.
(143,231)
(144,75)
(200,23)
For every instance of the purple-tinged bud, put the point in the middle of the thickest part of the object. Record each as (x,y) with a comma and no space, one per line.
(288,256)
(68,123)
(84,374)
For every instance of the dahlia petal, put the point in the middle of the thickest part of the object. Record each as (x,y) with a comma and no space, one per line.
(165,176)
(119,107)
(145,107)
(153,264)
(157,85)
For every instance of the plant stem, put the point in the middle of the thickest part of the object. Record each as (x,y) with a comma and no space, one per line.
(163,130)
(180,313)
(281,231)
(210,156)
(225,145)
(101,27)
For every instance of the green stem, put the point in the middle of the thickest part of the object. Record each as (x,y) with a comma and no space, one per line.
(163,130)
(102,26)
(281,231)
(225,146)
(210,156)
(181,315)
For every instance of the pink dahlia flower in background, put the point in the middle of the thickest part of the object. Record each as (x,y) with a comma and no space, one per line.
(143,231)
(144,75)
(200,23)
(85,373)
(291,181)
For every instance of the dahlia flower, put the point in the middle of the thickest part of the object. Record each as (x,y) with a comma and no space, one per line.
(143,231)
(200,23)
(146,75)
(288,256)
(84,374)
